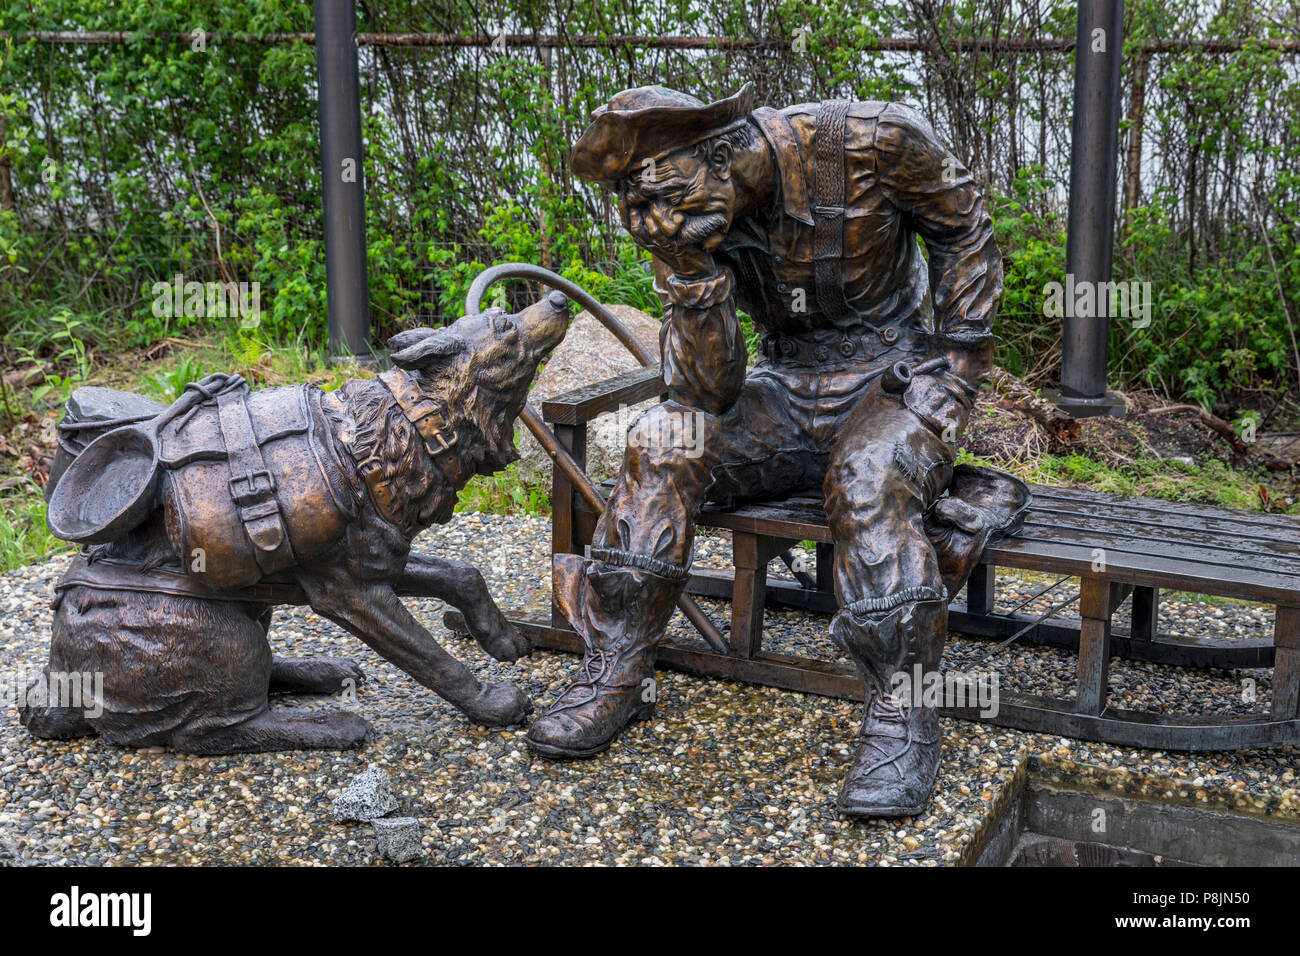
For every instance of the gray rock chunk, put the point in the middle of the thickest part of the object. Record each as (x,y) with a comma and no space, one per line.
(588,354)
(369,795)
(398,838)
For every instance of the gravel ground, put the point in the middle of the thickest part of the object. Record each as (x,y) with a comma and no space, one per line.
(725,774)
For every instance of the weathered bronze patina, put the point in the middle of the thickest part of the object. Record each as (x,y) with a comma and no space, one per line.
(808,219)
(238,500)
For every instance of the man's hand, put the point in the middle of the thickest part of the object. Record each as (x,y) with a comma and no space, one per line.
(681,242)
(944,397)
(688,263)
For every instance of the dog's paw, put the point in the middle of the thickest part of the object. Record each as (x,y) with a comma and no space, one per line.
(507,644)
(315,675)
(349,670)
(498,637)
(499,705)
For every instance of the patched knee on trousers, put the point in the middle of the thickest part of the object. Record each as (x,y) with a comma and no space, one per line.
(668,433)
(906,462)
(928,476)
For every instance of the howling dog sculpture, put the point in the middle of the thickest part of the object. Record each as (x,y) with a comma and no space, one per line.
(200,518)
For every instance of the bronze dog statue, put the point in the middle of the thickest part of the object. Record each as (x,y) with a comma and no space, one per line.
(281,496)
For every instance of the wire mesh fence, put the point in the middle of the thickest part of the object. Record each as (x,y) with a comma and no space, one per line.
(134,155)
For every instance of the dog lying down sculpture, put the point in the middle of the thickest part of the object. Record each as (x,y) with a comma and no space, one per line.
(201,518)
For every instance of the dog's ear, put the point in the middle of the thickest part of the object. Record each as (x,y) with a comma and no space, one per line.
(430,352)
(410,337)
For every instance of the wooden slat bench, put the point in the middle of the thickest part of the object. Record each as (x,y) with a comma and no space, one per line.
(1119,547)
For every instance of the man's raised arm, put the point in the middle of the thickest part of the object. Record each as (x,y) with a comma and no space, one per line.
(703,344)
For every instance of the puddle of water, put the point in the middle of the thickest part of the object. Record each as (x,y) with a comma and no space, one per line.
(1043,824)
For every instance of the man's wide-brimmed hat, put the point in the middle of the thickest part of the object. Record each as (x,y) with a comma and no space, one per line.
(648,123)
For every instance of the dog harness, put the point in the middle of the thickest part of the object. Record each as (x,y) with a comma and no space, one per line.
(426,416)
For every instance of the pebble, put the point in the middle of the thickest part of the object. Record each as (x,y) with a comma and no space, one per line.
(398,838)
(368,796)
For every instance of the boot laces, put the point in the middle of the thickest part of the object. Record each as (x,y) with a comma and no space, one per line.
(890,708)
(590,672)
(887,709)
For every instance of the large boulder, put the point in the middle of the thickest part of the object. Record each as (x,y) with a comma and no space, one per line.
(589,353)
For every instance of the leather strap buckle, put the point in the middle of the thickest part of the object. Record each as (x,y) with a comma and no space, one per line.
(253,494)
(430,425)
(251,484)
(420,410)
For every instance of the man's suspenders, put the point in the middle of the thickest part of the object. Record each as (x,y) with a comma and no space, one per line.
(828,211)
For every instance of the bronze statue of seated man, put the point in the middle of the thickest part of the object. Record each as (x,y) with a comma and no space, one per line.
(808,219)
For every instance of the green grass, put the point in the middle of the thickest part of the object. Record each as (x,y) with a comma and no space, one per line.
(24,538)
(503,493)
(1210,481)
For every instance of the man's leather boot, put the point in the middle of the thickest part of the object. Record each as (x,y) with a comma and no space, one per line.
(620,613)
(899,742)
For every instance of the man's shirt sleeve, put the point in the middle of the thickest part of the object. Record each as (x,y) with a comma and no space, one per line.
(703,344)
(938,198)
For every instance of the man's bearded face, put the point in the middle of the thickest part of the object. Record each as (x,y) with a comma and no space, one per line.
(679,201)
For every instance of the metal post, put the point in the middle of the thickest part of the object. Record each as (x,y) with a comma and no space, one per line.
(1099,48)
(347,289)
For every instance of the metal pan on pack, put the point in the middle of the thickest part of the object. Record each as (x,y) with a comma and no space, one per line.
(112,486)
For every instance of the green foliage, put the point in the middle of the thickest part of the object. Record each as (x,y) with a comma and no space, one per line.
(134,163)
(1217,329)
(170,383)
(1033,251)
(69,353)
(503,493)
(24,537)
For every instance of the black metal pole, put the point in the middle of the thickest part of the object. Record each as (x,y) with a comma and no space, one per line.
(347,289)
(1099,48)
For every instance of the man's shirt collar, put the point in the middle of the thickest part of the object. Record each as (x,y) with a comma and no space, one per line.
(791,179)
